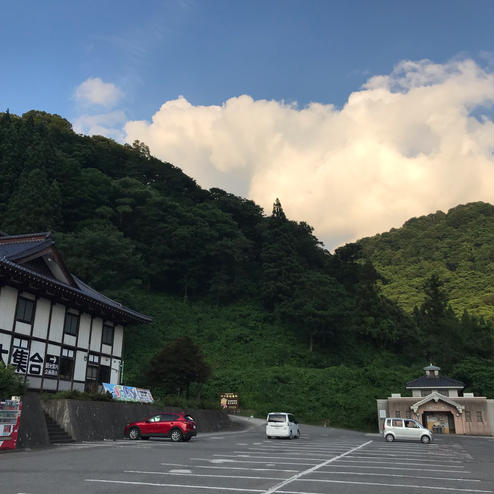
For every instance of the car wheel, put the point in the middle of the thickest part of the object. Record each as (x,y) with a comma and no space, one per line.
(145,437)
(186,438)
(134,433)
(390,438)
(268,437)
(176,435)
(298,435)
(425,439)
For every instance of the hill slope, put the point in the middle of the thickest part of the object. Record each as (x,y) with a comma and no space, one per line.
(457,245)
(280,320)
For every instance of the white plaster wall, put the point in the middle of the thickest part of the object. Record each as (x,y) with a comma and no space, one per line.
(490,415)
(41,318)
(5,342)
(80,366)
(96,334)
(22,328)
(53,349)
(57,320)
(118,340)
(106,349)
(115,371)
(8,302)
(84,330)
(69,339)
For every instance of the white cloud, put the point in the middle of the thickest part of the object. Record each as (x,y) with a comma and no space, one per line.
(406,144)
(105,124)
(95,91)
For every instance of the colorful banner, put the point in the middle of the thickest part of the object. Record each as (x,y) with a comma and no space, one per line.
(128,393)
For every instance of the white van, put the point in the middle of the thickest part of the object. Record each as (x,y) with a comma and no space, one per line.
(282,424)
(398,428)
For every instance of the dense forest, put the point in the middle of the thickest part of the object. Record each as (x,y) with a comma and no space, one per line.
(456,245)
(279,319)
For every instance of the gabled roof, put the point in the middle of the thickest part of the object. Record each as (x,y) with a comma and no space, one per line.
(33,260)
(436,397)
(426,382)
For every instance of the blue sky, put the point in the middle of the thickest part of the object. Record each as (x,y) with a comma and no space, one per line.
(141,55)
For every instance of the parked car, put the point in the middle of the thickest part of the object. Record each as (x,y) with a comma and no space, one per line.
(177,426)
(282,424)
(398,428)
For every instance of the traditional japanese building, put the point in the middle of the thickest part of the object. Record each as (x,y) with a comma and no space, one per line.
(438,403)
(57,331)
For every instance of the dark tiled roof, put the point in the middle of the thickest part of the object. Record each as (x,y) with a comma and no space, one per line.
(435,382)
(18,246)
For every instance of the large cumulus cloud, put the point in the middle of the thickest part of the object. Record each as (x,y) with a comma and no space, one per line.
(408,143)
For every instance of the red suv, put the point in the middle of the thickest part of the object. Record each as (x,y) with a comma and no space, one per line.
(175,425)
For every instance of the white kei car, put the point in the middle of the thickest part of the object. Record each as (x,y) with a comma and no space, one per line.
(282,424)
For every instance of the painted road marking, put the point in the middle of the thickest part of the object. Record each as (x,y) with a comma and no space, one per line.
(204,475)
(401,468)
(247,461)
(242,468)
(180,486)
(316,467)
(369,474)
(408,486)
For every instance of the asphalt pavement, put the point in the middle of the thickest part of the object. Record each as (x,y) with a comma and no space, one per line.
(323,460)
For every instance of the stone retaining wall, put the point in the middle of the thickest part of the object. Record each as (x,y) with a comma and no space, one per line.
(98,420)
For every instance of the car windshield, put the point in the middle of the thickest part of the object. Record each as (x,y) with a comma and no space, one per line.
(277,417)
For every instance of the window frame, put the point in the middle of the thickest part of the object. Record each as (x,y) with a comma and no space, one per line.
(66,326)
(104,334)
(67,357)
(21,318)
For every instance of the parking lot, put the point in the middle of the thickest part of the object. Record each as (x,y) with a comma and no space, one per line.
(321,461)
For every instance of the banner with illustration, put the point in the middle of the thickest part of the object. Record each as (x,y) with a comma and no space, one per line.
(128,393)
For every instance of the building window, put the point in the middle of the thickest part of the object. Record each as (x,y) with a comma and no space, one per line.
(468,416)
(107,337)
(479,417)
(104,374)
(424,392)
(93,359)
(92,373)
(397,413)
(25,310)
(66,364)
(409,414)
(71,324)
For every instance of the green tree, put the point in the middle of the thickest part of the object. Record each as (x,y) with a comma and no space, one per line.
(11,384)
(179,365)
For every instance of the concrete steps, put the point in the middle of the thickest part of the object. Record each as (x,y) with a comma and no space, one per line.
(56,434)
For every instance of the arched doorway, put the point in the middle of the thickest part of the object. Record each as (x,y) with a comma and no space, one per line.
(439,421)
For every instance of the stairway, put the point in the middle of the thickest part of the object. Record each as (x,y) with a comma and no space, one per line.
(56,434)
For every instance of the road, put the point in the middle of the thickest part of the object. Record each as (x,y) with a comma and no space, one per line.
(323,460)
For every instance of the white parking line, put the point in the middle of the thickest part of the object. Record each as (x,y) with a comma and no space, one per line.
(370,474)
(187,474)
(408,486)
(271,457)
(387,462)
(261,462)
(402,468)
(310,470)
(241,468)
(180,486)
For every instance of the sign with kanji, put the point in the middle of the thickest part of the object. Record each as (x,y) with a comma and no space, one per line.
(229,401)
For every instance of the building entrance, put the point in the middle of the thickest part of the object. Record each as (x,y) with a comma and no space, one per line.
(441,422)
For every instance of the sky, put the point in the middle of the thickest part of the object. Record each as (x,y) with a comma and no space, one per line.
(356,114)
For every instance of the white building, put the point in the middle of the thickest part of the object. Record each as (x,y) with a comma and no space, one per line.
(56,330)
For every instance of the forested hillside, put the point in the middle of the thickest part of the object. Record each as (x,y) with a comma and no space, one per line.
(457,246)
(280,320)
